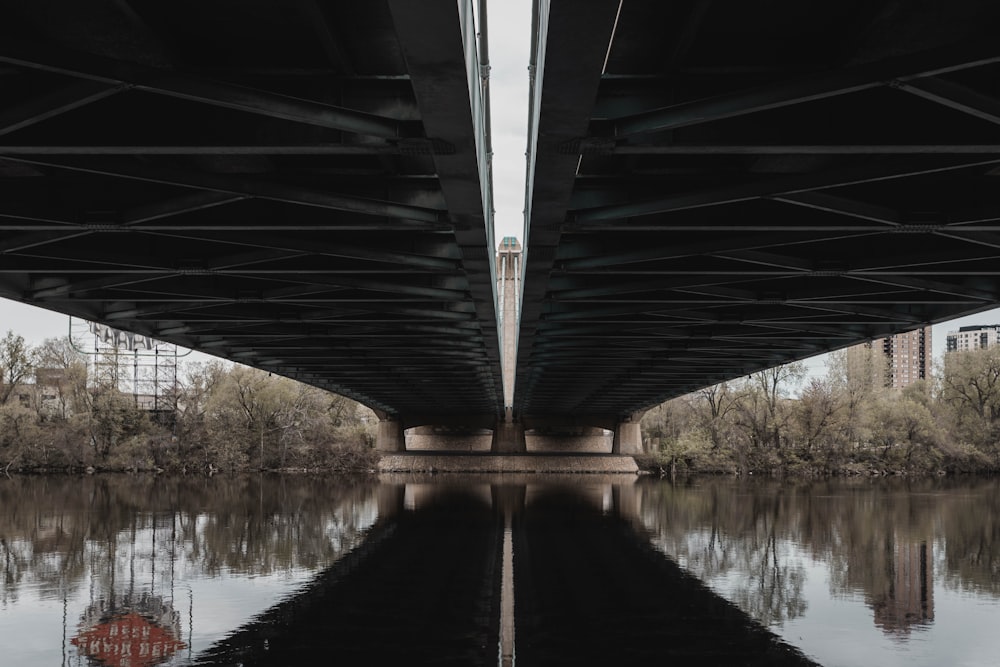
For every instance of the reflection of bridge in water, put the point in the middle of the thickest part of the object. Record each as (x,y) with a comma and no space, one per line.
(471,572)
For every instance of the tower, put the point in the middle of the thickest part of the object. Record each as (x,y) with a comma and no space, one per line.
(509,295)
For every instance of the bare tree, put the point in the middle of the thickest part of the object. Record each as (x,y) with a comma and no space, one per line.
(16,363)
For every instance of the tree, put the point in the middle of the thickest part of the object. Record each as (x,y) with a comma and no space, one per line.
(720,401)
(903,428)
(16,363)
(970,387)
(114,418)
(817,418)
(62,369)
(857,374)
(254,415)
(761,410)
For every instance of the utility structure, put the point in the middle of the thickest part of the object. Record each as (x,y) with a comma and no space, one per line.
(133,365)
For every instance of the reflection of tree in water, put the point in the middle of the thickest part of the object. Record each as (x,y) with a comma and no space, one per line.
(884,540)
(740,538)
(772,593)
(58,534)
(971,561)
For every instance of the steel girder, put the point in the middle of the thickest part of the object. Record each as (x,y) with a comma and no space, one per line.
(298,185)
(716,188)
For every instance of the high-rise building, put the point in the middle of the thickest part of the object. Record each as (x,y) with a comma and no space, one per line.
(905,358)
(973,338)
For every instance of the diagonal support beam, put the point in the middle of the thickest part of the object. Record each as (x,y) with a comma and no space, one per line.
(954,96)
(929,148)
(339,250)
(26,241)
(809,88)
(403,146)
(935,286)
(224,184)
(108,71)
(822,201)
(580,255)
(190,203)
(63,100)
(781,187)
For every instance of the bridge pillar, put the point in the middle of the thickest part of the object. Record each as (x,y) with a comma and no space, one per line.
(508,437)
(389,437)
(628,438)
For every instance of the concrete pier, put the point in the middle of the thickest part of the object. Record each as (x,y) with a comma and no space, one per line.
(390,437)
(628,438)
(508,438)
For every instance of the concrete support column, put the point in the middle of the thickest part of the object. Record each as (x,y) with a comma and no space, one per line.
(508,438)
(389,437)
(628,438)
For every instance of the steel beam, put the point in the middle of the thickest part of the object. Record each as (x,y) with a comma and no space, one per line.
(818,86)
(111,72)
(227,185)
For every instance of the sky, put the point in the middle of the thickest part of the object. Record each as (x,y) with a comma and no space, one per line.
(509,28)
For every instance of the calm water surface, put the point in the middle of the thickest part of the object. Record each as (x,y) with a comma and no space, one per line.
(131,571)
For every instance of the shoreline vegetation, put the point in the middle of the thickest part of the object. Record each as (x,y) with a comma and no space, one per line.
(848,423)
(57,417)
(61,411)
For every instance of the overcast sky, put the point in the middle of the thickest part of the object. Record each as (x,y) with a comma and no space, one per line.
(509,23)
(510,36)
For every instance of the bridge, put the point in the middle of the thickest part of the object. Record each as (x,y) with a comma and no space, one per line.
(305,187)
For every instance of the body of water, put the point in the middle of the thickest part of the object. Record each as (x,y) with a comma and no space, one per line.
(478,570)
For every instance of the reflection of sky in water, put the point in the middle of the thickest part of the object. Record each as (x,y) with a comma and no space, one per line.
(838,628)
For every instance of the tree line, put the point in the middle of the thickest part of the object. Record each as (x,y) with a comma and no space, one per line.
(847,422)
(55,414)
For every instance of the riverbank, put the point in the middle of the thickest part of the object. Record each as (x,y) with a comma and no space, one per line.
(665,465)
(363,460)
(341,458)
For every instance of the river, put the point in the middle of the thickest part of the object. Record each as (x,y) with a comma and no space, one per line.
(476,570)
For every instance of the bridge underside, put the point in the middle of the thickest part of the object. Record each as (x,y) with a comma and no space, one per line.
(716,188)
(296,185)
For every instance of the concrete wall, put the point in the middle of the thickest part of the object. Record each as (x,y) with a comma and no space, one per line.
(580,444)
(420,440)
(426,439)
